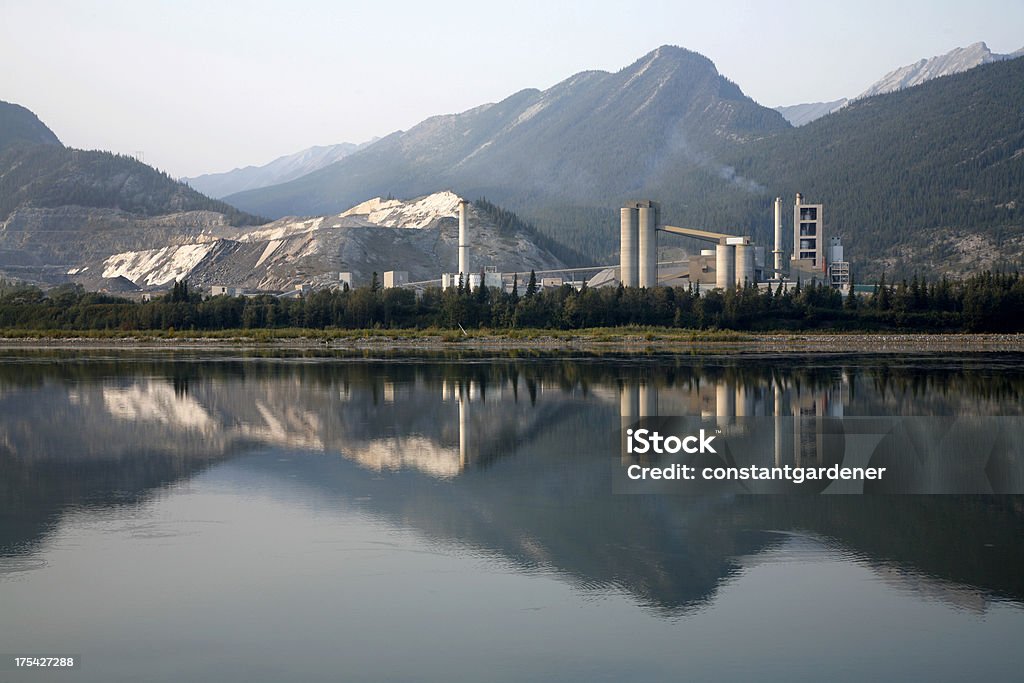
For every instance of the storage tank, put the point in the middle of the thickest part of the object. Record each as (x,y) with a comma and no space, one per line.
(648,396)
(744,264)
(725,404)
(725,266)
(648,247)
(744,401)
(629,221)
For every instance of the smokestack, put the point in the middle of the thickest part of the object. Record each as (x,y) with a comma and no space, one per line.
(777,252)
(796,225)
(464,239)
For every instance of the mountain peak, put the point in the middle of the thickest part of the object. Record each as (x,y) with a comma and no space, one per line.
(19,125)
(671,55)
(955,61)
(594,134)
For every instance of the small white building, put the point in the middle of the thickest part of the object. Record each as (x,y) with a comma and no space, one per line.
(493,280)
(395,278)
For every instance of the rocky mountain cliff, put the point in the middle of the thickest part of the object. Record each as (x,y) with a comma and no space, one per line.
(955,61)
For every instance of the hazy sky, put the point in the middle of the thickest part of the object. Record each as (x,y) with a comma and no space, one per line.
(202,85)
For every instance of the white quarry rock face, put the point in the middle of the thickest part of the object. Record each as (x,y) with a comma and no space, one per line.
(154,267)
(414,213)
(417,235)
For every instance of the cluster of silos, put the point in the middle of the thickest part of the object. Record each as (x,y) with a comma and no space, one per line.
(638,244)
(734,262)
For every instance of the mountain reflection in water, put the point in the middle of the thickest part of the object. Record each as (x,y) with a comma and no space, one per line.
(508,455)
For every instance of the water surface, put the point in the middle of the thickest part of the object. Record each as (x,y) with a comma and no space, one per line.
(311,516)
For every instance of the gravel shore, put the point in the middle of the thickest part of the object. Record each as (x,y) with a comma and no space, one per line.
(781,343)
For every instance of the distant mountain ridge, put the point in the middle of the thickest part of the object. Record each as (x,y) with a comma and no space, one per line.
(939,162)
(800,114)
(593,135)
(955,61)
(280,170)
(60,207)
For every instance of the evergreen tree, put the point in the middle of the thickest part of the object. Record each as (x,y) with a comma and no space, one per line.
(531,287)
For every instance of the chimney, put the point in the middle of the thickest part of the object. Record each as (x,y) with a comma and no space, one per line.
(464,239)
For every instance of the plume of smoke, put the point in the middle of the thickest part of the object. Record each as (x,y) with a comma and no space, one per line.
(729,173)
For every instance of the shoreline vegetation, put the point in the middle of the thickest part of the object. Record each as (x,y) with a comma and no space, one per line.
(985,311)
(625,339)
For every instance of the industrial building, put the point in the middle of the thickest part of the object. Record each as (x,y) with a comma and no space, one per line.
(734,261)
(808,235)
(395,278)
(730,261)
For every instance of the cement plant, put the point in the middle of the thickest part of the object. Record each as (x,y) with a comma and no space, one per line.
(733,261)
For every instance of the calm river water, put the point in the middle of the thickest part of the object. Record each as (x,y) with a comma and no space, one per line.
(276,516)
